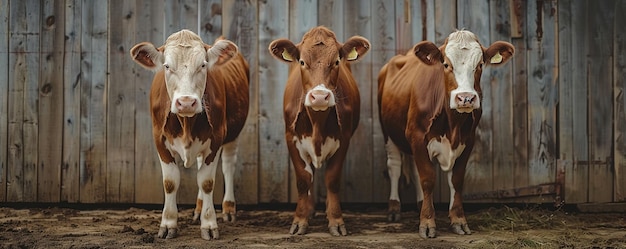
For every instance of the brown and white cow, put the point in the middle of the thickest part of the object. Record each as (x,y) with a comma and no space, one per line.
(429,104)
(199,104)
(321,112)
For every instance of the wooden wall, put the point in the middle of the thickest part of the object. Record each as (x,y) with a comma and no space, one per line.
(75,126)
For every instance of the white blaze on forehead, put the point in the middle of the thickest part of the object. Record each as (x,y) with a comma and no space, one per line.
(464,53)
(442,152)
(306,147)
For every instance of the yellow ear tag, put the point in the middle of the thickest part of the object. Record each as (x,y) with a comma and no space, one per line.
(352,55)
(496,59)
(286,55)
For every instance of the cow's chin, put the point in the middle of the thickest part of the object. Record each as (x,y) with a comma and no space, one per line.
(319,108)
(464,109)
(186,114)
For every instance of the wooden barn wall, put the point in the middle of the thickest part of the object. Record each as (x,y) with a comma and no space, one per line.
(75,124)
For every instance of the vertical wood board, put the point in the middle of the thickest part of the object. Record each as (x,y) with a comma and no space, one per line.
(619,88)
(4,100)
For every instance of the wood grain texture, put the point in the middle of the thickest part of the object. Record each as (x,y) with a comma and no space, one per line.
(4,100)
(51,102)
(70,171)
(619,88)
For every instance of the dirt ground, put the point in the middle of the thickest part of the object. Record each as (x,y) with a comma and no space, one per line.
(499,227)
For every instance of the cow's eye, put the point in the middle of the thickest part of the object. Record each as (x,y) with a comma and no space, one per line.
(302,62)
(166,66)
(446,65)
(337,63)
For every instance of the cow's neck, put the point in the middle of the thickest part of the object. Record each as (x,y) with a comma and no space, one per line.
(186,125)
(458,124)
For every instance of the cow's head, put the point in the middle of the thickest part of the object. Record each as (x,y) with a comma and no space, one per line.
(463,58)
(320,57)
(186,61)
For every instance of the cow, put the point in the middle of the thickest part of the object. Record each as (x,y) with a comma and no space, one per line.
(199,104)
(321,107)
(429,107)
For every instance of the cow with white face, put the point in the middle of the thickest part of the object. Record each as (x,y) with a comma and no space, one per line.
(429,105)
(199,104)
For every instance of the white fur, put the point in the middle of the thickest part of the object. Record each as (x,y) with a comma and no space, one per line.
(307,150)
(442,152)
(190,154)
(464,53)
(394,167)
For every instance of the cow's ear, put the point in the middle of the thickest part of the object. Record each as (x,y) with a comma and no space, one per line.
(284,50)
(428,52)
(499,53)
(355,48)
(148,56)
(221,52)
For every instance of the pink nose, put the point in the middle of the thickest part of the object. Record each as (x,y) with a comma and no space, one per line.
(465,99)
(186,104)
(319,97)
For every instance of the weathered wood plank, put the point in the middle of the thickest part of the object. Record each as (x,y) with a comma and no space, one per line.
(4,100)
(573,145)
(51,101)
(619,90)
(600,66)
(210,20)
(479,172)
(500,80)
(385,42)
(239,24)
(148,184)
(358,170)
(22,116)
(93,77)
(542,92)
(120,127)
(70,171)
(520,101)
(274,170)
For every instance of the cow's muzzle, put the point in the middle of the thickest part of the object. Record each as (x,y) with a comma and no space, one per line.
(466,102)
(320,98)
(187,106)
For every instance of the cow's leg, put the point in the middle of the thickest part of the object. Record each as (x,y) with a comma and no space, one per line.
(196,212)
(394,167)
(206,182)
(229,162)
(304,184)
(427,176)
(336,224)
(456,176)
(171,181)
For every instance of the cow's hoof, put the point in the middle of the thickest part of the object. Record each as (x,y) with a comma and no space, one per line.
(229,217)
(196,218)
(393,216)
(427,232)
(209,234)
(299,229)
(167,233)
(338,230)
(461,229)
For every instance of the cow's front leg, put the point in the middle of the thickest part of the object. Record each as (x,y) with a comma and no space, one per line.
(336,225)
(427,176)
(171,180)
(229,161)
(458,222)
(304,183)
(394,169)
(208,218)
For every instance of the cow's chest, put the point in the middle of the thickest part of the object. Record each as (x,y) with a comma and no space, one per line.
(316,153)
(190,151)
(440,150)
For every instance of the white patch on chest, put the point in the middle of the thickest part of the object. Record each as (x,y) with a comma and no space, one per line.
(307,150)
(189,155)
(444,154)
